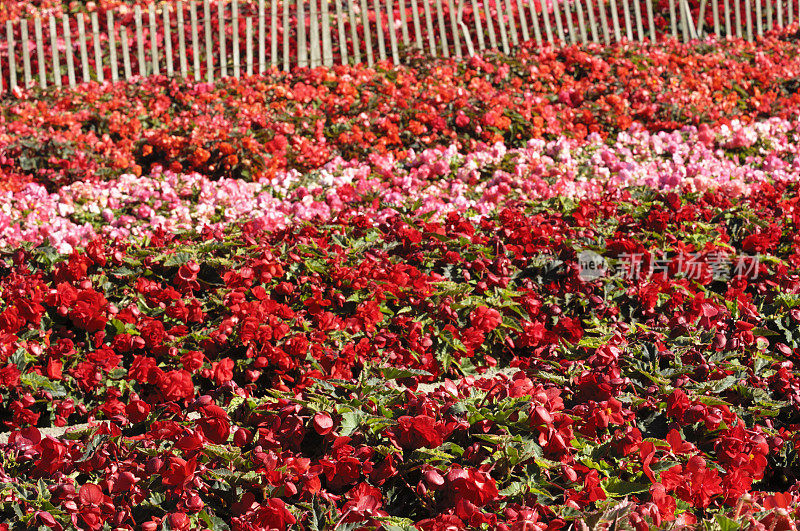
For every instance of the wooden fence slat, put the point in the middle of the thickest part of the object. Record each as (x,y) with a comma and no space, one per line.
(82,47)
(181,29)
(54,50)
(69,51)
(404,22)
(351,14)
(573,38)
(526,36)
(223,52)
(727,18)
(715,14)
(651,21)
(315,55)
(637,11)
(537,30)
(302,51)
(489,25)
(140,40)
(501,22)
(12,66)
(759,26)
(581,21)
(151,11)
(167,39)
(512,23)
(791,12)
(392,32)
(262,37)
(98,52)
(379,31)
(701,16)
(342,35)
(628,25)
(249,44)
(454,25)
(112,46)
(769,14)
(327,41)
(429,25)
(40,57)
(465,29)
(126,56)
(195,39)
(442,30)
(749,17)
(209,41)
(417,26)
(26,54)
(615,19)
(673,19)
(286,34)
(592,21)
(273,36)
(367,36)
(604,22)
(779,6)
(237,73)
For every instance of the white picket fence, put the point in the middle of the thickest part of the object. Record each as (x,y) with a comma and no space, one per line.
(201,40)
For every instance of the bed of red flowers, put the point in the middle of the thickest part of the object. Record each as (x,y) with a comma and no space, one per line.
(645,399)
(377,367)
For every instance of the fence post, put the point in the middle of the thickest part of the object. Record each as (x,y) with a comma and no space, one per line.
(512,23)
(779,6)
(367,37)
(209,41)
(651,21)
(98,53)
(417,26)
(327,41)
(547,27)
(429,26)
(392,31)
(249,44)
(112,46)
(637,11)
(502,24)
(791,12)
(759,26)
(769,14)
(195,40)
(151,12)
(403,22)
(235,21)
(54,51)
(615,20)
(286,35)
(223,53)
(749,19)
(12,66)
(182,39)
(626,11)
(727,18)
(379,30)
(342,35)
(354,31)
(715,14)
(573,38)
(262,44)
(314,54)
(526,36)
(140,41)
(581,21)
(37,28)
(592,21)
(167,39)
(82,47)
(26,57)
(559,25)
(126,58)
(69,51)
(673,19)
(476,19)
(302,52)
(463,27)
(273,43)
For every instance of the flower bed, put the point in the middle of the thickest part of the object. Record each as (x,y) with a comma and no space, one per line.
(269,124)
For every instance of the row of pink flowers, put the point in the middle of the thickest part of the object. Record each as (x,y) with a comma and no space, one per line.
(729,158)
